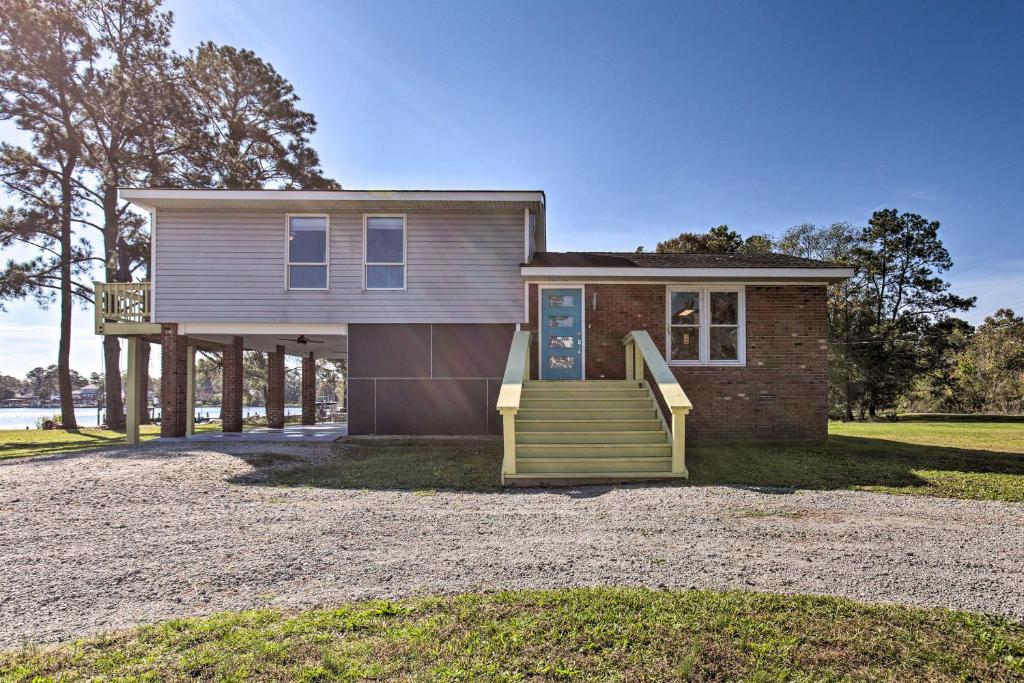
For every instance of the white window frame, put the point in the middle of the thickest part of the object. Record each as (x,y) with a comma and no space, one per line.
(704,323)
(288,263)
(404,263)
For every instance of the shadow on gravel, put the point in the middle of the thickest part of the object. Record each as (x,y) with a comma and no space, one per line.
(842,462)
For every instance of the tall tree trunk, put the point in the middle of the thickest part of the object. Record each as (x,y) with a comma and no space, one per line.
(67,401)
(849,405)
(111,345)
(144,348)
(871,409)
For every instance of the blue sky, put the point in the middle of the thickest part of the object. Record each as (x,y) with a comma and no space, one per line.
(642,120)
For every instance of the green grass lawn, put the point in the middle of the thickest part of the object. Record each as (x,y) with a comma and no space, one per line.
(558,635)
(976,460)
(970,459)
(15,443)
(418,464)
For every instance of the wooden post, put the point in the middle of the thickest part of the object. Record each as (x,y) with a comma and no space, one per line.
(190,391)
(630,360)
(679,442)
(134,380)
(508,462)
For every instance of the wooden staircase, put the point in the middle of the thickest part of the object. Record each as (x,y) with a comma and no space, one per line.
(594,430)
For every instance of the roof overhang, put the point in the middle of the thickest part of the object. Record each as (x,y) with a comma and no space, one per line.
(155,198)
(584,273)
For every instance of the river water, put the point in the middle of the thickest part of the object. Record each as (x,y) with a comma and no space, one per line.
(20,418)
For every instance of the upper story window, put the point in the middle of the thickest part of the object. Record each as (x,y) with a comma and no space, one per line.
(706,326)
(307,251)
(384,251)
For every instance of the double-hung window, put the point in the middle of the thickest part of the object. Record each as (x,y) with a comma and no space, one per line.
(307,251)
(384,251)
(706,326)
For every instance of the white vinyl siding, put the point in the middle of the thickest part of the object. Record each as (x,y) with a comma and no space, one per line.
(227,266)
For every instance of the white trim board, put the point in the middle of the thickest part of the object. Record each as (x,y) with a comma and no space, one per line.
(148,197)
(733,273)
(241,329)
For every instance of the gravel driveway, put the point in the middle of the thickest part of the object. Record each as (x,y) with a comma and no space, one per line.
(107,540)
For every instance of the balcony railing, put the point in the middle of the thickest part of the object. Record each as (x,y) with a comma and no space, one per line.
(123,307)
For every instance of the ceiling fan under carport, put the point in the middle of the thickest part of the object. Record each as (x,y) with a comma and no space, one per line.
(301,339)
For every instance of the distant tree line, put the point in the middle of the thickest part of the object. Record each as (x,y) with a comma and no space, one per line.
(105,104)
(894,339)
(41,383)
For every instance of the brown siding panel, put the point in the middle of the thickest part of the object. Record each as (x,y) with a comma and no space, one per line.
(432,406)
(426,379)
(361,402)
(470,350)
(389,351)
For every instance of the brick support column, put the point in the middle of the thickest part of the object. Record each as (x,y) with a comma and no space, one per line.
(308,390)
(173,382)
(231,401)
(275,388)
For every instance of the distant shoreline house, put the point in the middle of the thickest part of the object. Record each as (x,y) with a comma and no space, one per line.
(455,319)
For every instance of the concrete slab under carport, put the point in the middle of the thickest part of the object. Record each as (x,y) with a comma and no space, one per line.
(320,433)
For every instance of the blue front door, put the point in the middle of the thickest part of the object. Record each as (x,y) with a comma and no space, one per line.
(561,333)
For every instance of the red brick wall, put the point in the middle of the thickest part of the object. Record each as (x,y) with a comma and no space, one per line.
(781,393)
(275,388)
(173,381)
(308,390)
(232,389)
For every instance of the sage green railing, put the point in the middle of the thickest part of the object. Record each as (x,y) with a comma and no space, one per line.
(641,352)
(517,371)
(121,303)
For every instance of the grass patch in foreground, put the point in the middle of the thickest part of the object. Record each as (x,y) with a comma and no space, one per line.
(564,635)
(20,443)
(414,464)
(17,443)
(974,460)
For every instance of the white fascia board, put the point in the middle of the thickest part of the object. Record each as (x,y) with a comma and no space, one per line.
(734,273)
(146,197)
(241,329)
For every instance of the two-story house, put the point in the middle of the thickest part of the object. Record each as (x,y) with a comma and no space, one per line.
(455,319)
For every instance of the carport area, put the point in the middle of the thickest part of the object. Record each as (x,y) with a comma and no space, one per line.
(179,343)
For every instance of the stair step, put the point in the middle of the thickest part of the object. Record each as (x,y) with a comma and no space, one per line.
(570,413)
(577,478)
(585,394)
(548,425)
(608,437)
(593,450)
(630,466)
(588,403)
(579,383)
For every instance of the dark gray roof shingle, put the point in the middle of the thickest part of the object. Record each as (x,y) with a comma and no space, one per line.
(623,259)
